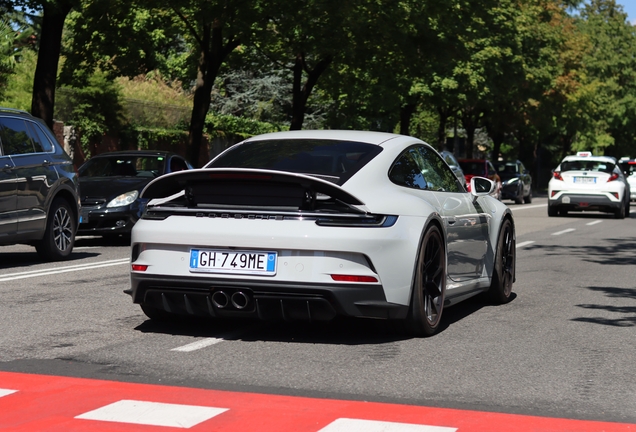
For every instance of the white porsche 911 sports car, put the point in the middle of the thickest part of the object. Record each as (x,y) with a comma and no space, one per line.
(308,225)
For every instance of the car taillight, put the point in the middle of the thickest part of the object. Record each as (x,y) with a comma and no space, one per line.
(557,175)
(615,194)
(353,278)
(139,267)
(613,177)
(554,193)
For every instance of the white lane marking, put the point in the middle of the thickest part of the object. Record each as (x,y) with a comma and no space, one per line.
(525,243)
(6,392)
(355,425)
(564,231)
(594,223)
(153,413)
(198,345)
(52,271)
(528,207)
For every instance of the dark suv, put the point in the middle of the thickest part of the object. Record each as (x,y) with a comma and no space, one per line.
(39,188)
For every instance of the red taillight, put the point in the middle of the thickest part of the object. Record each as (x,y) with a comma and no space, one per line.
(139,267)
(554,193)
(613,177)
(557,175)
(352,278)
(615,194)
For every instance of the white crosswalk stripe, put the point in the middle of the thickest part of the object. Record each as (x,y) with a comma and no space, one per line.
(153,413)
(356,425)
(6,392)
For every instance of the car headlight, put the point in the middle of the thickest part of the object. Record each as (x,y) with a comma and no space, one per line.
(124,199)
(512,180)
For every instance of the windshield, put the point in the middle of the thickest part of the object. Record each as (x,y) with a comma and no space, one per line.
(123,166)
(333,160)
(474,168)
(587,165)
(507,168)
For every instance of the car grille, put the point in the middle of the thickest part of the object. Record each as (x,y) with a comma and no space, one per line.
(92,202)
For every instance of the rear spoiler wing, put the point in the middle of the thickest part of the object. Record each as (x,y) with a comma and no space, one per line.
(171,184)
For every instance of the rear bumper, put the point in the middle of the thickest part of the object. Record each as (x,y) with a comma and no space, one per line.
(581,202)
(197,297)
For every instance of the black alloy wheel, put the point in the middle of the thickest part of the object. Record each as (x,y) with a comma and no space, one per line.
(429,285)
(503,273)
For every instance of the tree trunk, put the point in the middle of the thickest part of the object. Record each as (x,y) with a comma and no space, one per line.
(44,80)
(212,55)
(444,113)
(301,95)
(406,113)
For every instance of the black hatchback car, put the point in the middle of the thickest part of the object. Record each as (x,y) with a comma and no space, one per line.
(516,181)
(39,188)
(111,184)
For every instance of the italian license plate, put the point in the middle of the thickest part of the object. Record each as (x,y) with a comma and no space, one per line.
(585,180)
(233,262)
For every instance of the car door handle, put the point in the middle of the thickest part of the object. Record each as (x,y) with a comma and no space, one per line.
(46,163)
(7,167)
(451,220)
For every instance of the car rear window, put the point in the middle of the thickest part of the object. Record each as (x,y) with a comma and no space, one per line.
(587,165)
(474,168)
(332,160)
(124,166)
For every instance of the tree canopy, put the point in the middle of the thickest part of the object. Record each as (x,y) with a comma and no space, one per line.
(534,79)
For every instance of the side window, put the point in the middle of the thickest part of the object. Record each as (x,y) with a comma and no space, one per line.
(436,173)
(491,169)
(14,136)
(406,171)
(40,140)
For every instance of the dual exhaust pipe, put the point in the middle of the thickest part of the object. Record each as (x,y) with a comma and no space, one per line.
(239,300)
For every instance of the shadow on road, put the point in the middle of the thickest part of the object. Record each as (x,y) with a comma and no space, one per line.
(619,321)
(617,251)
(28,259)
(340,331)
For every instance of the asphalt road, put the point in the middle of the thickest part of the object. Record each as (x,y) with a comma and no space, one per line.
(564,347)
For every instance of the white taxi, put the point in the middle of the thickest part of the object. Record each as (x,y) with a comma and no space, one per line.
(584,182)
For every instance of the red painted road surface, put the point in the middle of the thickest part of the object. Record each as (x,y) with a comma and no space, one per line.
(51,403)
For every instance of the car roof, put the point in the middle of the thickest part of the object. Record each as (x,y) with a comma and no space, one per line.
(589,158)
(368,137)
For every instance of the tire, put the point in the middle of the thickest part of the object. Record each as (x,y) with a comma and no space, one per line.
(528,199)
(503,273)
(59,236)
(429,286)
(519,198)
(627,208)
(552,211)
(620,212)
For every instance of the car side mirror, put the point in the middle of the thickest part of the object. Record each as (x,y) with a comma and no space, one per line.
(481,186)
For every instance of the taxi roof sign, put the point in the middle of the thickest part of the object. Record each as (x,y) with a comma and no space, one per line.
(584,153)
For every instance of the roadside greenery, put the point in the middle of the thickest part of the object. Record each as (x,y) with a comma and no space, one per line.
(527,79)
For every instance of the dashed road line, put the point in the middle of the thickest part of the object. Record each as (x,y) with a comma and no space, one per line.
(528,207)
(58,270)
(594,222)
(525,243)
(198,345)
(564,231)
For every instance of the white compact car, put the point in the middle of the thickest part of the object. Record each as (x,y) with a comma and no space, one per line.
(588,183)
(308,225)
